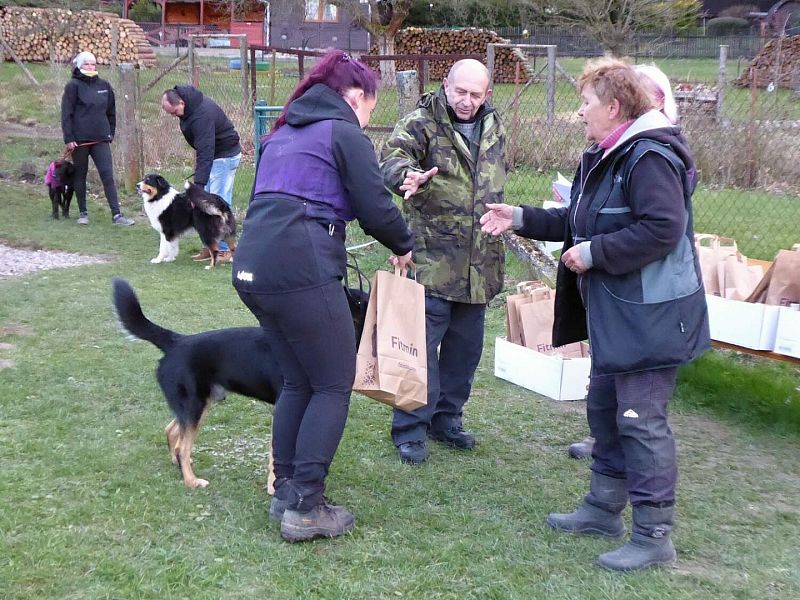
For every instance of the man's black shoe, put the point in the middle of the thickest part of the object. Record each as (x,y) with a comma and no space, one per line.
(455,437)
(414,452)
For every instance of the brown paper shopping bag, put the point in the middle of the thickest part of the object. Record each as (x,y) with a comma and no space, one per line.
(711,252)
(780,285)
(392,364)
(537,320)
(537,325)
(513,323)
(514,333)
(737,277)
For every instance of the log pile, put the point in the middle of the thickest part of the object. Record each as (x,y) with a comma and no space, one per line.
(777,62)
(415,40)
(55,34)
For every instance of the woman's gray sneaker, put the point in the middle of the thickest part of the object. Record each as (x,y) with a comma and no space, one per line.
(83,219)
(122,220)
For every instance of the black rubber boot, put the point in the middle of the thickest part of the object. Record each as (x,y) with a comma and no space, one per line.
(323,520)
(650,542)
(600,512)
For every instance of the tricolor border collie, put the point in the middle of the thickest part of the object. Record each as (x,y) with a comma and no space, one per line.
(198,370)
(173,213)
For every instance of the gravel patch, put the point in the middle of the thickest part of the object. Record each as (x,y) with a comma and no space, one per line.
(20,261)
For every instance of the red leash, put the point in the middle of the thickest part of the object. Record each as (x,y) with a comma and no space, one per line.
(68,152)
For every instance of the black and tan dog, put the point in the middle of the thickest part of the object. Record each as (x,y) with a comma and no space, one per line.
(59,182)
(198,370)
(173,213)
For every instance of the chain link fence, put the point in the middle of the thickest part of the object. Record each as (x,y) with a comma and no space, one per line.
(745,139)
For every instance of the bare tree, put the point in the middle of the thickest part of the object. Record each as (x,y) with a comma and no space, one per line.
(614,23)
(382,19)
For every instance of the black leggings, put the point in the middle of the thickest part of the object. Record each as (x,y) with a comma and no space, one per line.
(101,156)
(311,336)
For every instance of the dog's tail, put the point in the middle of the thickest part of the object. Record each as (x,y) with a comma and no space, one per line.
(132,319)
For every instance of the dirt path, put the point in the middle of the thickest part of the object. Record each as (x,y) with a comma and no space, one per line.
(11,130)
(20,261)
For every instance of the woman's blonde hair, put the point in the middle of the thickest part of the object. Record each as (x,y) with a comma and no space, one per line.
(613,79)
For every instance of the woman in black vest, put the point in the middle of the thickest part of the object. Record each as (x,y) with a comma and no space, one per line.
(629,281)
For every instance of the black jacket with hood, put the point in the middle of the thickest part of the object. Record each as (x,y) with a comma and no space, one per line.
(88,110)
(644,300)
(315,173)
(207,129)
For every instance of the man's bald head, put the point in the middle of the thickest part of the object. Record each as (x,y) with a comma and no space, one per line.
(467,87)
(475,68)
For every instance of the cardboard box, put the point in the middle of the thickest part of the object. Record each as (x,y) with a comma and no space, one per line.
(552,376)
(742,323)
(787,335)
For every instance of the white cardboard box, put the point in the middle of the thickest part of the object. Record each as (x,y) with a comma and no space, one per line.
(787,336)
(552,376)
(742,323)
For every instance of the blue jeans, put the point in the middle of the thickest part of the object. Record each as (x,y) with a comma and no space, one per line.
(454,340)
(220,182)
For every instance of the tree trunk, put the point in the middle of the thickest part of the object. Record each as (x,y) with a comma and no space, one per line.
(386,46)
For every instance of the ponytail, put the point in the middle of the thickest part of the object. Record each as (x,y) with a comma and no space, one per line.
(338,71)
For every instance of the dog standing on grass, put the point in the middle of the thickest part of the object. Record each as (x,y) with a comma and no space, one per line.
(173,213)
(198,370)
(59,182)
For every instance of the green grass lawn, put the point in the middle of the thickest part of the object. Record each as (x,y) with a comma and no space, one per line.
(92,507)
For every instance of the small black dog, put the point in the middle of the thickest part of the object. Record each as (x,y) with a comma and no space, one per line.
(59,180)
(198,370)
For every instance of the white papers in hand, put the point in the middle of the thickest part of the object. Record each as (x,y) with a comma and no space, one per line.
(561,189)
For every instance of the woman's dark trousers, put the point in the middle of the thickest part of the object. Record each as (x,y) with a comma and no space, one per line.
(310,333)
(628,416)
(101,156)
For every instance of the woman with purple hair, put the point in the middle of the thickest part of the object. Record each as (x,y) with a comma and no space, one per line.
(317,171)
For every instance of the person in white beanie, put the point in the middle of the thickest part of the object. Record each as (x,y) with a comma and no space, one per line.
(88,122)
(661,89)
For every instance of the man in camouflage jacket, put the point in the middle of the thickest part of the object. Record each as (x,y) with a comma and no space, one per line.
(447,159)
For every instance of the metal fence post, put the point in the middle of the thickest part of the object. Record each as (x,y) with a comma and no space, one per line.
(490,51)
(721,79)
(127,131)
(551,84)
(245,66)
(114,45)
(300,69)
(253,82)
(194,67)
(190,52)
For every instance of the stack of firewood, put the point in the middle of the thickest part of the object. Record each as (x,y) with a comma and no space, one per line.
(415,40)
(778,62)
(41,34)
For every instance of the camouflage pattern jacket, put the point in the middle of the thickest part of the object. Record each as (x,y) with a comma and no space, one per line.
(455,260)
